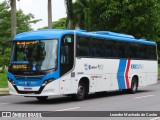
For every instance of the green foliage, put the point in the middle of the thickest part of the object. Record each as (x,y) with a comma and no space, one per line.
(69,7)
(59,24)
(23,24)
(4,59)
(4,21)
(82,13)
(24,21)
(3,79)
(158,71)
(138,18)
(70,14)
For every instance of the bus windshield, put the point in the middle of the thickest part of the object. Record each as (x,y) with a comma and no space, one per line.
(36,55)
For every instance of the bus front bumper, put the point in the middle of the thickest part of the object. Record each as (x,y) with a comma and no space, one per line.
(47,90)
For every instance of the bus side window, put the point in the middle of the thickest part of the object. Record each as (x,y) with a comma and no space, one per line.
(110,50)
(122,49)
(97,47)
(131,51)
(152,52)
(83,47)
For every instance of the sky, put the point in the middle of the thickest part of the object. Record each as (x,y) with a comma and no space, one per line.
(39,9)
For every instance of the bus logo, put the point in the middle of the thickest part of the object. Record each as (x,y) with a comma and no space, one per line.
(137,66)
(26,83)
(89,67)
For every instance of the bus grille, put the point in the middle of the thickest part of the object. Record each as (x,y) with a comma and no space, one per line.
(29,78)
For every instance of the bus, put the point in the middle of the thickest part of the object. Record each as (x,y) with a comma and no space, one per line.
(76,63)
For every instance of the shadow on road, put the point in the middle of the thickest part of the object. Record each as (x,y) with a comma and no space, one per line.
(113,94)
(61,100)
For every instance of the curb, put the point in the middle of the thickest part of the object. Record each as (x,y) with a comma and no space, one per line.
(4,94)
(4,91)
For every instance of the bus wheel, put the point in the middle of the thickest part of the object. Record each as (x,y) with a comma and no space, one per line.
(81,92)
(134,86)
(44,98)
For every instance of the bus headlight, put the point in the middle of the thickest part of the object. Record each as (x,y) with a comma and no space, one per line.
(47,81)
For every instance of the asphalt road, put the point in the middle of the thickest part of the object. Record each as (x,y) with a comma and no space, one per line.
(146,99)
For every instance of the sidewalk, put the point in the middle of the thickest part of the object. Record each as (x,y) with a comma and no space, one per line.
(4,91)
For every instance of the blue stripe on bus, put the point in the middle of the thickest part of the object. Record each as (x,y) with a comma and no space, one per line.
(120,74)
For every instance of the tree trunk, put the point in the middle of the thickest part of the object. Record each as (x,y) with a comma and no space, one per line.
(49,14)
(70,15)
(70,25)
(13,18)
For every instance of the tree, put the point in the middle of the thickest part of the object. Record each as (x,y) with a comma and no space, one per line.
(138,18)
(59,24)
(25,21)
(81,14)
(23,25)
(70,15)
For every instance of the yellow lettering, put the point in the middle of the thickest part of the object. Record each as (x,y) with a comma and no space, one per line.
(25,43)
(19,66)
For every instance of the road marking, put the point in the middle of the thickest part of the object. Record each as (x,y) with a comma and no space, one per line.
(144,96)
(4,96)
(157,118)
(3,103)
(68,109)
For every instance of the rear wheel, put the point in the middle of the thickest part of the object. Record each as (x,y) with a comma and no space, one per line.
(44,98)
(134,86)
(81,92)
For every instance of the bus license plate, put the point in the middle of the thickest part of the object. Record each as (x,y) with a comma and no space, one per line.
(27,89)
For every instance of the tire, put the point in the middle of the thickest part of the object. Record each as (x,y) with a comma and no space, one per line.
(134,86)
(42,99)
(81,92)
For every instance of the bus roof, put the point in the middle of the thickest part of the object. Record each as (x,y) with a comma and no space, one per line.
(42,34)
(57,33)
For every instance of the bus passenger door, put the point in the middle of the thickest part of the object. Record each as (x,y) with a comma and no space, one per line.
(66,63)
(67,54)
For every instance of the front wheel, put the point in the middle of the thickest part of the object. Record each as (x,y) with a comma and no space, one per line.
(42,99)
(134,86)
(81,92)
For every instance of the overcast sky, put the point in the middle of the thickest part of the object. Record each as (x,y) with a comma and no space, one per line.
(39,9)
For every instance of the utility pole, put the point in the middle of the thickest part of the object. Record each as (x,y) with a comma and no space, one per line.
(49,14)
(13,18)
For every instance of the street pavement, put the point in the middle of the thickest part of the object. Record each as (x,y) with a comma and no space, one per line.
(146,99)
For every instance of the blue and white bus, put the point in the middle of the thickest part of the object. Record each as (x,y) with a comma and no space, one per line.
(75,62)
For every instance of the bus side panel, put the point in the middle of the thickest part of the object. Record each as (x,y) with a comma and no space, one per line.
(145,70)
(152,72)
(102,73)
(116,74)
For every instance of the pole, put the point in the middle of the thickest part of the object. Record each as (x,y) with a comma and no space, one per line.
(13,18)
(49,14)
